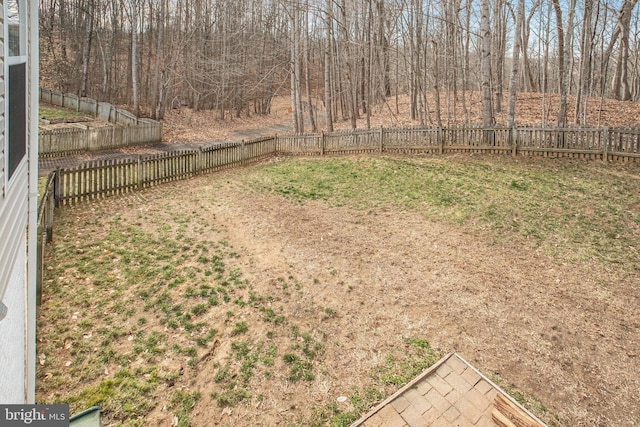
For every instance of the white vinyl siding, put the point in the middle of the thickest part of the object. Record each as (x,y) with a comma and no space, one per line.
(12,333)
(13,224)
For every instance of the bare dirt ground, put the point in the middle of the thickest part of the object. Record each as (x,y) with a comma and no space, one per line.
(567,334)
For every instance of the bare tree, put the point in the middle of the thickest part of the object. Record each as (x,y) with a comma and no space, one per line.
(620,82)
(235,57)
(584,76)
(515,65)
(485,32)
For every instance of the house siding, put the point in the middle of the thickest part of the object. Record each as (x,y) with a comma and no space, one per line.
(13,227)
(12,331)
(18,216)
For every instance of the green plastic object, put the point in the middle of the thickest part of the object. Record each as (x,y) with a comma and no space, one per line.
(87,418)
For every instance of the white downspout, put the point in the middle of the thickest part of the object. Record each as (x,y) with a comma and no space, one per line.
(33,62)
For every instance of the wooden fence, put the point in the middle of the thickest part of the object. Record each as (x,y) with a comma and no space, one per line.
(104,110)
(96,179)
(126,129)
(69,141)
(99,178)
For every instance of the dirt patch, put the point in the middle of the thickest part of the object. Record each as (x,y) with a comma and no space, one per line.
(566,334)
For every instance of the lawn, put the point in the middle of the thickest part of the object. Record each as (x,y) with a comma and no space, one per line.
(262,294)
(50,112)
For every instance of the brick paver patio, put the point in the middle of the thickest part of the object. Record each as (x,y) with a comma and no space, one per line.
(450,393)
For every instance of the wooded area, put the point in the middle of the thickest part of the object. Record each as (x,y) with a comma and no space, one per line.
(338,58)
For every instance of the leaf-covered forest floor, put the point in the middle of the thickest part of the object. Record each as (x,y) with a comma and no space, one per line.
(186,125)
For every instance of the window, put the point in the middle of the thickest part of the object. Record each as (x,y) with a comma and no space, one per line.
(16,80)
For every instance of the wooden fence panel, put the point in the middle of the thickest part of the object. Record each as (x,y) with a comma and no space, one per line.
(308,144)
(352,141)
(561,142)
(56,98)
(70,100)
(476,139)
(95,179)
(624,143)
(62,142)
(259,148)
(122,117)
(410,140)
(45,95)
(166,167)
(88,105)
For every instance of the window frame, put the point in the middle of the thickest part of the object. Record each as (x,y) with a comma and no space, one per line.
(9,61)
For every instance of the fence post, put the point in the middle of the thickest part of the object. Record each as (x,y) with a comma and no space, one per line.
(514,141)
(57,187)
(322,142)
(440,141)
(381,139)
(199,161)
(139,172)
(605,144)
(48,215)
(242,152)
(39,268)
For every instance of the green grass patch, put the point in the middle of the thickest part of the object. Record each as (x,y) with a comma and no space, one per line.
(124,397)
(573,211)
(182,402)
(398,371)
(49,112)
(395,371)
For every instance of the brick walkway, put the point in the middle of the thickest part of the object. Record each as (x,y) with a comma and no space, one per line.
(450,393)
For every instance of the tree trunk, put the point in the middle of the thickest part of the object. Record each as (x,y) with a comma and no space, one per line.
(327,67)
(86,52)
(498,49)
(156,71)
(584,77)
(485,33)
(515,66)
(436,88)
(307,79)
(621,89)
(134,56)
(564,57)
